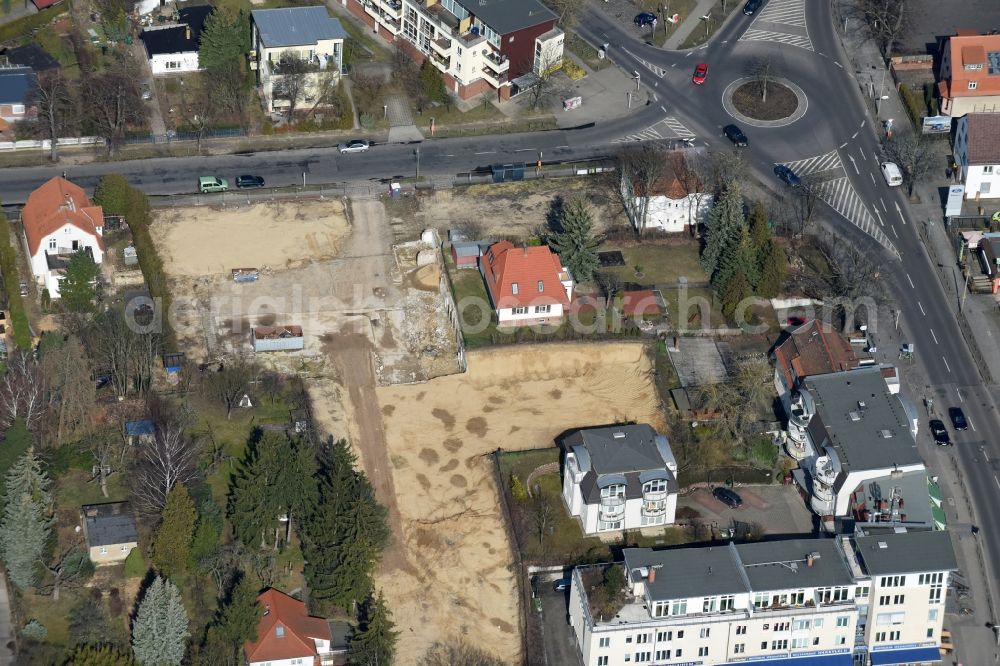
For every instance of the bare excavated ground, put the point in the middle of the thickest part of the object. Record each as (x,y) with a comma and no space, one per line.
(449,572)
(491,211)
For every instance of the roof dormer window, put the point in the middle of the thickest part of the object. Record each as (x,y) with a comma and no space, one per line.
(541,287)
(513,288)
(279,631)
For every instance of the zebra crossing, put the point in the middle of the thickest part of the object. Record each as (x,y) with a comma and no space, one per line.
(830,184)
(782,22)
(668,128)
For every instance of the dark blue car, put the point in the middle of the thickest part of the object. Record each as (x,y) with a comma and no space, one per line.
(644,19)
(787,175)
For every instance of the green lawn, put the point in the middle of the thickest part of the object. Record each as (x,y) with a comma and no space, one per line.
(661,264)
(583,50)
(74,488)
(362,46)
(699,36)
(450,115)
(663,9)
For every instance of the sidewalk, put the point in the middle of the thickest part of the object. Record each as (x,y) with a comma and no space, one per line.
(974,642)
(689,24)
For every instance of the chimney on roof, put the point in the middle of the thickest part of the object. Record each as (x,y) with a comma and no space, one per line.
(652,575)
(809,560)
(526,250)
(69,202)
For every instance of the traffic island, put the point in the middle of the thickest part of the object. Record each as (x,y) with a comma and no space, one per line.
(783,104)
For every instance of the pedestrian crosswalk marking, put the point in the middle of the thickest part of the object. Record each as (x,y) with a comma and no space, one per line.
(827,162)
(782,22)
(668,128)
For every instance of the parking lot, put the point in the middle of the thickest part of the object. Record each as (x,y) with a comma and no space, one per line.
(778,509)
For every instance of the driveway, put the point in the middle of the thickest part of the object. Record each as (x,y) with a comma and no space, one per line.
(779,509)
(557,634)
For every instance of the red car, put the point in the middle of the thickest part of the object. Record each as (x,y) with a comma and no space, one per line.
(700,74)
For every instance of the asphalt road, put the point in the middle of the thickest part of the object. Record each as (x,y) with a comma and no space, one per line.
(835,123)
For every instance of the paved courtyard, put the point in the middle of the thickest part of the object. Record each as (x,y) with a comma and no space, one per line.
(779,509)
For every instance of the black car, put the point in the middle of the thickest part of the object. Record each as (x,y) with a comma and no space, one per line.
(787,175)
(736,135)
(957,417)
(940,433)
(644,19)
(751,7)
(249,181)
(728,497)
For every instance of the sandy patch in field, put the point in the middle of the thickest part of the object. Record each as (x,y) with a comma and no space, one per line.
(457,578)
(288,234)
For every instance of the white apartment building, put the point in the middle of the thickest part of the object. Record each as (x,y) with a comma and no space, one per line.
(619,478)
(307,34)
(478,45)
(872,600)
(977,153)
(849,428)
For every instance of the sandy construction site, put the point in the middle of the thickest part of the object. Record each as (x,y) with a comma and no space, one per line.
(450,573)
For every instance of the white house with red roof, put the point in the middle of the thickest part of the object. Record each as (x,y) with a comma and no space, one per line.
(969,76)
(527,285)
(287,635)
(59,220)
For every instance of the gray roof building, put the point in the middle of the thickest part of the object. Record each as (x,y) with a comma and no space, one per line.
(906,552)
(16,84)
(109,524)
(295,26)
(630,455)
(506,16)
(766,566)
(867,426)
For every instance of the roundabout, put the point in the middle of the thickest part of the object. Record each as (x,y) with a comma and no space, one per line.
(784,104)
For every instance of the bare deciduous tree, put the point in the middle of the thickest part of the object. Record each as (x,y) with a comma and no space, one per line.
(114,103)
(728,167)
(458,654)
(547,86)
(70,389)
(229,91)
(55,106)
(70,569)
(638,170)
(761,69)
(170,458)
(914,155)
(293,80)
(566,11)
(21,392)
(887,22)
(232,381)
(610,283)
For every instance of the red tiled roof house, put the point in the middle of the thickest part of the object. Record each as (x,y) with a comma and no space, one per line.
(671,204)
(526,285)
(59,220)
(969,78)
(287,635)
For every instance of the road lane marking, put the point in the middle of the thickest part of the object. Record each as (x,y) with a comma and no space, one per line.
(883,204)
(525,150)
(842,145)
(557,147)
(873,177)
(894,232)
(861,126)
(947,366)
(862,153)
(878,216)
(973,426)
(900,213)
(960,397)
(838,64)
(854,164)
(487,152)
(920,305)
(997,480)
(909,280)
(875,155)
(855,135)
(934,336)
(663,108)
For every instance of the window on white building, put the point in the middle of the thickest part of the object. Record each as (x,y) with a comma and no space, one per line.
(679,607)
(760,599)
(841,640)
(932,615)
(780,644)
(709,605)
(543,309)
(899,599)
(17,109)
(799,643)
(52,243)
(655,486)
(662,655)
(643,638)
(660,609)
(741,630)
(727,602)
(988,171)
(799,625)
(679,651)
(894,635)
(602,661)
(641,657)
(930,632)
(664,636)
(604,642)
(885,600)
(703,651)
(739,648)
(892,581)
(520,310)
(842,620)
(705,632)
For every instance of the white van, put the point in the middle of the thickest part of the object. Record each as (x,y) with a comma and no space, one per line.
(893,176)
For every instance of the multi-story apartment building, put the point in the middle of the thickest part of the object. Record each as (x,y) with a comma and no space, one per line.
(478,45)
(871,600)
(619,478)
(847,428)
(307,35)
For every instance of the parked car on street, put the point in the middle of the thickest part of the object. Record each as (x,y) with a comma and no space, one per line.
(958,420)
(244,182)
(644,18)
(728,497)
(700,74)
(939,432)
(736,135)
(751,7)
(212,184)
(354,146)
(787,176)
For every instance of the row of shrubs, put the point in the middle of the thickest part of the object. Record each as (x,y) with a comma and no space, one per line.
(12,281)
(118,197)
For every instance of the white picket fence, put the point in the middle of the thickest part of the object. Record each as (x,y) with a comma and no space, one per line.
(45,144)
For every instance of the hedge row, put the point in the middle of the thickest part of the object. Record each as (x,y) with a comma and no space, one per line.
(28,24)
(117,197)
(12,281)
(915,106)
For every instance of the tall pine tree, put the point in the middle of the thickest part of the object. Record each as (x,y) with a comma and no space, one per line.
(99,655)
(343,533)
(772,275)
(235,623)
(26,523)
(739,257)
(723,231)
(574,240)
(737,289)
(172,544)
(374,642)
(160,627)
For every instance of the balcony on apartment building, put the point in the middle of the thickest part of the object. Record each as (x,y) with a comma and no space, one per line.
(495,61)
(443,61)
(394,8)
(612,508)
(316,63)
(442,45)
(377,11)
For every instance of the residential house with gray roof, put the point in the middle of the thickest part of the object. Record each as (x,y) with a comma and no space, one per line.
(870,599)
(619,478)
(977,153)
(110,531)
(292,39)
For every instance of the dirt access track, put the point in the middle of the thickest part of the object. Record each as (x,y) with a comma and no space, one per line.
(449,572)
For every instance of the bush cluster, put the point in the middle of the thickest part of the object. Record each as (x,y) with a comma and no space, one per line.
(12,281)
